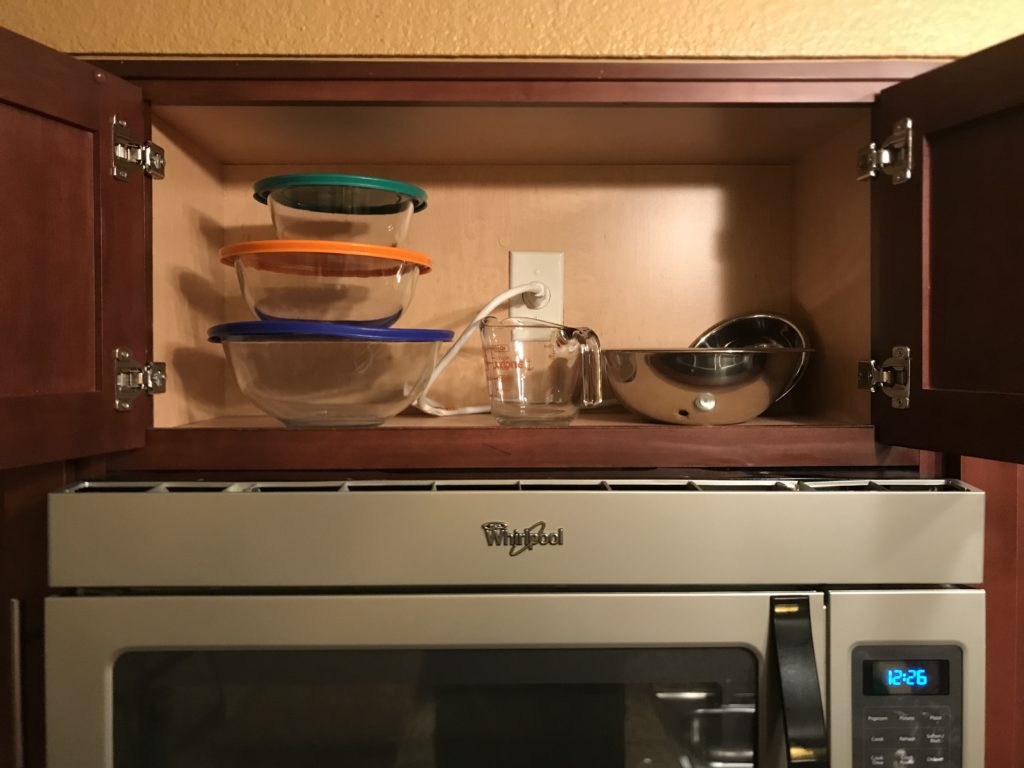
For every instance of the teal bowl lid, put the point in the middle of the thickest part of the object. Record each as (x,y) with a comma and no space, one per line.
(340,193)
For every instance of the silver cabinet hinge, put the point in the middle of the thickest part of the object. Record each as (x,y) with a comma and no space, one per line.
(129,154)
(894,157)
(132,378)
(892,377)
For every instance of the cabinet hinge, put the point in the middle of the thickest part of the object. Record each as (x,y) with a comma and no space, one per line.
(129,154)
(894,157)
(132,378)
(892,377)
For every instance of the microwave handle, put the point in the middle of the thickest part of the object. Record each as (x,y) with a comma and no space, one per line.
(803,715)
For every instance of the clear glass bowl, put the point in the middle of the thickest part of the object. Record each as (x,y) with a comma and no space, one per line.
(327,206)
(328,282)
(309,381)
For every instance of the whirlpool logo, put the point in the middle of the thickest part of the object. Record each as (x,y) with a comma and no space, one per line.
(498,534)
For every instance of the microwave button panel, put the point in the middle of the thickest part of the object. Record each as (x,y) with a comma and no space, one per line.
(907,706)
(907,758)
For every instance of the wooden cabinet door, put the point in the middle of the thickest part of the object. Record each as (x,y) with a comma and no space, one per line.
(948,258)
(73,274)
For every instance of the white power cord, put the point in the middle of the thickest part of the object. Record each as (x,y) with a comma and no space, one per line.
(424,403)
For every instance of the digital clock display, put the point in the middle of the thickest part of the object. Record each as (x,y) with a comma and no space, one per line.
(916,677)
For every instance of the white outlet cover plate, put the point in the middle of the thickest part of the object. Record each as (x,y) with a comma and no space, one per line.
(547,267)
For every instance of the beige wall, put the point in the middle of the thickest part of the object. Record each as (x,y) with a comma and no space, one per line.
(579,28)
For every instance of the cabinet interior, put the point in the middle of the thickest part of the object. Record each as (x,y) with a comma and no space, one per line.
(671,218)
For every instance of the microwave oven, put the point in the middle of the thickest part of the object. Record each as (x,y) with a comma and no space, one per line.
(692,624)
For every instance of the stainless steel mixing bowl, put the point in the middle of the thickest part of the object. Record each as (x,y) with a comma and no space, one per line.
(701,386)
(757,330)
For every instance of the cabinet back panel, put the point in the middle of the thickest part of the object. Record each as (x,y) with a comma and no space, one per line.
(48,298)
(653,254)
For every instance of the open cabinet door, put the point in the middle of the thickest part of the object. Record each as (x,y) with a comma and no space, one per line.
(73,273)
(948,258)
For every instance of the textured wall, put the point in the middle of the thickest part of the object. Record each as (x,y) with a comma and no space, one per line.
(584,28)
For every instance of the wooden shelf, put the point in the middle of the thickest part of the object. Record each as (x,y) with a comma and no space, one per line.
(602,440)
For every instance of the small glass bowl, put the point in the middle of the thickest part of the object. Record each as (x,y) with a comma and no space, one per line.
(342,207)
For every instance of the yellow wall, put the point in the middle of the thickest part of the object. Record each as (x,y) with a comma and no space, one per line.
(583,28)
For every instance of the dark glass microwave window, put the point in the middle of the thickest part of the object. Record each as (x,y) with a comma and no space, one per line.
(538,708)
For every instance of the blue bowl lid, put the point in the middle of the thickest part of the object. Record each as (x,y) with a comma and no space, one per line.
(282,330)
(340,193)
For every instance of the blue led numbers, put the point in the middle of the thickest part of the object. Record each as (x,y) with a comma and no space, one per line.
(906,677)
(909,678)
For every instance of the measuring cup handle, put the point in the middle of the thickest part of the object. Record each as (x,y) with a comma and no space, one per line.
(592,394)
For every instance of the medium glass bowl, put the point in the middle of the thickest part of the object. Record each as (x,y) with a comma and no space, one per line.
(325,281)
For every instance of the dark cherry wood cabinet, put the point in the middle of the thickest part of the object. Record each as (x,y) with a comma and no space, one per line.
(946,257)
(1003,484)
(72,245)
(75,285)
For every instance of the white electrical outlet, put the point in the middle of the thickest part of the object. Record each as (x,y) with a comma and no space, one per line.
(546,267)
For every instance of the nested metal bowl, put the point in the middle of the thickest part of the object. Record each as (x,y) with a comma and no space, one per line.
(701,386)
(758,330)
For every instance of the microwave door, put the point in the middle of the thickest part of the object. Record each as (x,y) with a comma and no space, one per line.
(659,679)
(795,661)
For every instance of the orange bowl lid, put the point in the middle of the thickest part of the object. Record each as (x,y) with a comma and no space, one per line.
(229,253)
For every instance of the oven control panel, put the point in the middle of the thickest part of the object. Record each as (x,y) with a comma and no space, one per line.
(907,706)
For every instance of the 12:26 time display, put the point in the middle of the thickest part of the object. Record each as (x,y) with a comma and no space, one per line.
(903,677)
(912,678)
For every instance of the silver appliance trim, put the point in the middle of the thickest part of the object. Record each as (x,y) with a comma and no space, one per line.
(598,533)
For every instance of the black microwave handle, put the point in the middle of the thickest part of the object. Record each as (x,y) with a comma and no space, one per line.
(803,716)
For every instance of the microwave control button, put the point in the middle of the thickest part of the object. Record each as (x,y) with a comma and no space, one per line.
(893,758)
(894,738)
(932,758)
(878,717)
(934,737)
(934,717)
(905,717)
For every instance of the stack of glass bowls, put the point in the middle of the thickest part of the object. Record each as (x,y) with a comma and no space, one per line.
(323,352)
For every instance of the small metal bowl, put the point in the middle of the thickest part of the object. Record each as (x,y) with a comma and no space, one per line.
(701,386)
(758,330)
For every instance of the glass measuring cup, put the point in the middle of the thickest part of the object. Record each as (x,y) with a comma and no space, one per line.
(538,373)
